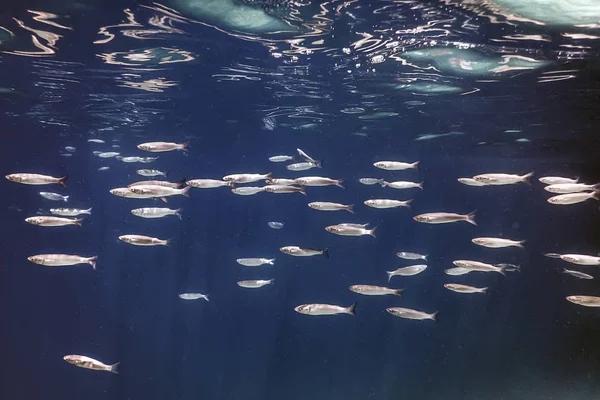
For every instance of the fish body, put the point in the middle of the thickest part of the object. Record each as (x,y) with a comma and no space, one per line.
(587,301)
(347,230)
(141,240)
(327,206)
(457,287)
(503,179)
(303,251)
(479,266)
(150,191)
(103,168)
(406,271)
(280,181)
(174,185)
(255,284)
(193,296)
(371,181)
(573,198)
(411,314)
(278,159)
(496,243)
(126,192)
(303,166)
(70,212)
(457,271)
(580,259)
(371,290)
(247,190)
(306,156)
(284,189)
(143,160)
(54,196)
(98,141)
(471,182)
(565,188)
(155,212)
(150,172)
(90,363)
(275,224)
(325,309)
(445,218)
(53,221)
(403,185)
(318,181)
(577,274)
(159,147)
(246,178)
(36,179)
(411,256)
(387,203)
(255,262)
(62,260)
(557,180)
(396,165)
(208,183)
(108,154)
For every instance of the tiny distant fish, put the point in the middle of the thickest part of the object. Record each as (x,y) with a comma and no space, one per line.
(303,251)
(411,314)
(557,180)
(70,149)
(396,165)
(413,102)
(406,271)
(255,262)
(108,154)
(387,203)
(457,287)
(325,309)
(587,301)
(54,196)
(503,179)
(141,240)
(103,168)
(90,363)
(99,141)
(353,110)
(70,212)
(306,156)
(275,224)
(116,146)
(371,181)
(303,166)
(573,198)
(496,243)
(150,172)
(154,212)
(255,284)
(577,274)
(66,154)
(144,160)
(370,290)
(445,218)
(411,256)
(158,147)
(193,296)
(471,182)
(269,123)
(278,159)
(522,140)
(327,206)
(36,179)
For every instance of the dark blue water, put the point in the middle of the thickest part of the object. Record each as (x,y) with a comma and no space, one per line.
(521,340)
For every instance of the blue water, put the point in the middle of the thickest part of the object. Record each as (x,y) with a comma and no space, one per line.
(238,104)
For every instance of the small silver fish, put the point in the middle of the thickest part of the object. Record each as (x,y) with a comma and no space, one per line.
(303,166)
(54,196)
(247,190)
(396,165)
(371,181)
(371,290)
(577,274)
(141,240)
(503,179)
(108,154)
(318,181)
(62,260)
(303,251)
(157,147)
(150,172)
(411,314)
(275,224)
(403,185)
(53,221)
(278,159)
(573,198)
(255,262)
(99,141)
(90,363)
(155,212)
(387,203)
(193,296)
(497,243)
(327,206)
(411,256)
(587,301)
(457,287)
(445,218)
(325,309)
(347,230)
(557,180)
(36,179)
(255,284)
(208,183)
(70,212)
(406,271)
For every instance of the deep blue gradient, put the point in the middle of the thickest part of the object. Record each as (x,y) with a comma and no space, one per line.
(522,340)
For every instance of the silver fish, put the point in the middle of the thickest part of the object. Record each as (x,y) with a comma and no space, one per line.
(557,180)
(53,221)
(141,240)
(587,301)
(387,203)
(371,181)
(193,296)
(457,271)
(246,178)
(318,181)
(255,262)
(396,165)
(275,224)
(573,198)
(54,196)
(208,183)
(503,179)
(471,182)
(157,147)
(406,271)
(371,290)
(346,230)
(403,185)
(497,243)
(284,189)
(303,166)
(479,266)
(247,190)
(155,212)
(278,159)
(325,309)
(303,251)
(143,160)
(445,218)
(70,212)
(90,363)
(174,185)
(99,141)
(327,206)
(150,191)
(306,156)
(577,274)
(280,181)
(411,256)
(36,179)
(108,154)
(580,259)
(411,314)
(457,287)
(150,172)
(61,260)
(255,284)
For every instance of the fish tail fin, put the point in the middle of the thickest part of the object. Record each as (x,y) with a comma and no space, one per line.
(65,198)
(186,146)
(527,178)
(92,261)
(502,269)
(338,183)
(231,184)
(471,218)
(352,309)
(164,199)
(63,181)
(115,368)
(303,190)
(168,242)
(181,183)
(268,176)
(318,163)
(425,257)
(484,290)
(596,195)
(350,208)
(390,275)
(521,244)
(407,203)
(271,261)
(564,271)
(384,183)
(416,165)
(186,191)
(398,292)
(178,213)
(420,185)
(326,252)
(596,187)
(88,211)
(79,222)
(434,316)
(372,232)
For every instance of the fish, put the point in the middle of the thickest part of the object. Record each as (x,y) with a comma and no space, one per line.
(371,181)
(387,203)
(303,166)
(53,221)
(577,274)
(503,179)
(411,314)
(306,156)
(325,309)
(255,284)
(284,189)
(193,296)
(457,271)
(496,243)
(303,251)
(587,301)
(411,256)
(479,266)
(275,224)
(36,179)
(445,218)
(346,230)
(149,191)
(327,206)
(103,168)
(246,178)
(90,363)
(98,141)
(70,212)
(573,198)
(396,165)
(175,185)
(565,188)
(108,154)
(158,147)
(60,260)
(557,180)
(403,185)
(280,181)
(141,240)
(318,181)
(580,259)
(247,190)
(208,183)
(154,212)
(457,287)
(255,262)
(354,225)
(406,271)
(54,196)
(126,192)
(471,182)
(278,159)
(144,160)
(70,149)
(150,172)
(370,290)
(510,267)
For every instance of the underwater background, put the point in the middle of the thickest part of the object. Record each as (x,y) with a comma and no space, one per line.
(465,88)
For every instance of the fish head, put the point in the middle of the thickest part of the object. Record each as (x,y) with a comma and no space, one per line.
(124,238)
(288,250)
(379,164)
(143,146)
(14,178)
(392,311)
(333,229)
(448,285)
(136,211)
(421,218)
(578,299)
(460,263)
(303,309)
(71,359)
(35,259)
(33,220)
(477,241)
(119,191)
